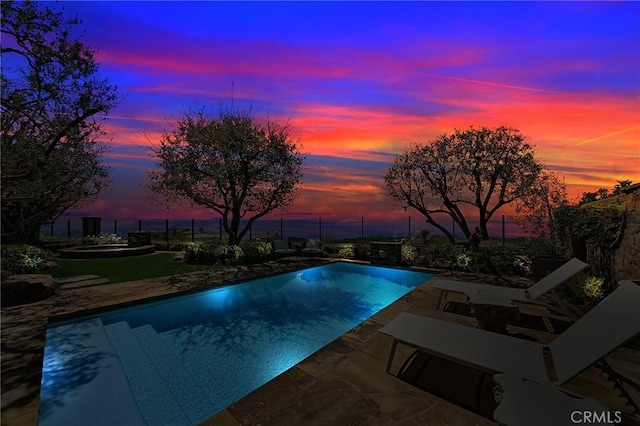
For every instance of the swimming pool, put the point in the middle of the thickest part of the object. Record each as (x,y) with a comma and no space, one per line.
(178,361)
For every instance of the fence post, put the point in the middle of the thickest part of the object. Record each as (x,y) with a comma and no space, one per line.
(139,225)
(220,229)
(320,228)
(281,230)
(68,229)
(193,230)
(166,231)
(503,240)
(115,226)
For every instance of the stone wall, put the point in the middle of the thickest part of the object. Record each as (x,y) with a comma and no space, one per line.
(386,253)
(627,252)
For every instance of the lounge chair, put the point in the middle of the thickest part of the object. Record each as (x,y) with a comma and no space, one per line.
(312,248)
(614,321)
(281,248)
(525,403)
(498,295)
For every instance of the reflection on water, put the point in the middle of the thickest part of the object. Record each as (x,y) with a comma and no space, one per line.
(350,291)
(77,365)
(234,339)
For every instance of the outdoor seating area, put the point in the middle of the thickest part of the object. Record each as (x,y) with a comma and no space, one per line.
(312,248)
(522,368)
(495,306)
(505,296)
(281,248)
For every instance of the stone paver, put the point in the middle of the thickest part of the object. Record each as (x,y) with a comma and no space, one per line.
(85,283)
(75,279)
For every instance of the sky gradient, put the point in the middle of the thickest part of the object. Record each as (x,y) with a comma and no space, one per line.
(362,82)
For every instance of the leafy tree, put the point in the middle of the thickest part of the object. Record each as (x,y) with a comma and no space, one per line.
(480,170)
(588,197)
(617,188)
(602,193)
(51,95)
(536,212)
(237,165)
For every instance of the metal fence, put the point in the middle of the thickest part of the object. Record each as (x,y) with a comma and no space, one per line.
(199,229)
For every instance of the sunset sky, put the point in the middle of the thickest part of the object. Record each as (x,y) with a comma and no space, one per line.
(362,82)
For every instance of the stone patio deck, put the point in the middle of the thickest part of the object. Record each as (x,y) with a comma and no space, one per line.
(343,383)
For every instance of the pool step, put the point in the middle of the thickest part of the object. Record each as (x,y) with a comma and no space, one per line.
(186,391)
(155,400)
(81,376)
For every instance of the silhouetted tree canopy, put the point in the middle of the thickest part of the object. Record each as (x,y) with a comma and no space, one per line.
(618,187)
(235,164)
(602,193)
(51,95)
(535,211)
(473,171)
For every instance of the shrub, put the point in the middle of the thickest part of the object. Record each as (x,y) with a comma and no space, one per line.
(250,253)
(361,252)
(583,289)
(499,260)
(346,251)
(214,251)
(202,252)
(409,253)
(265,248)
(192,252)
(233,254)
(424,237)
(22,258)
(464,261)
(102,239)
(439,252)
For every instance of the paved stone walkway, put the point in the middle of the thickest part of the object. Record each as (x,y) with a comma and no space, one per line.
(344,383)
(80,281)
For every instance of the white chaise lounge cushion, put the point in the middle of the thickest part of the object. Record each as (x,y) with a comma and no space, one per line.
(611,323)
(476,292)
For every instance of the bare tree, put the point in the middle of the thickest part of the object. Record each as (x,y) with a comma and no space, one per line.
(237,165)
(51,95)
(473,171)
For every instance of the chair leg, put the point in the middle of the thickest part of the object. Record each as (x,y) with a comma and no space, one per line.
(619,382)
(392,352)
(442,294)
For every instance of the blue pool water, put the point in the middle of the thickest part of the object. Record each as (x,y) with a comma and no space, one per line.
(181,360)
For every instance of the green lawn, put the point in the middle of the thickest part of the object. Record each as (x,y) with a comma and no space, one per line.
(125,268)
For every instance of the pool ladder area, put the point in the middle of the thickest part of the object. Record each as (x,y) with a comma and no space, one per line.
(132,376)
(165,391)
